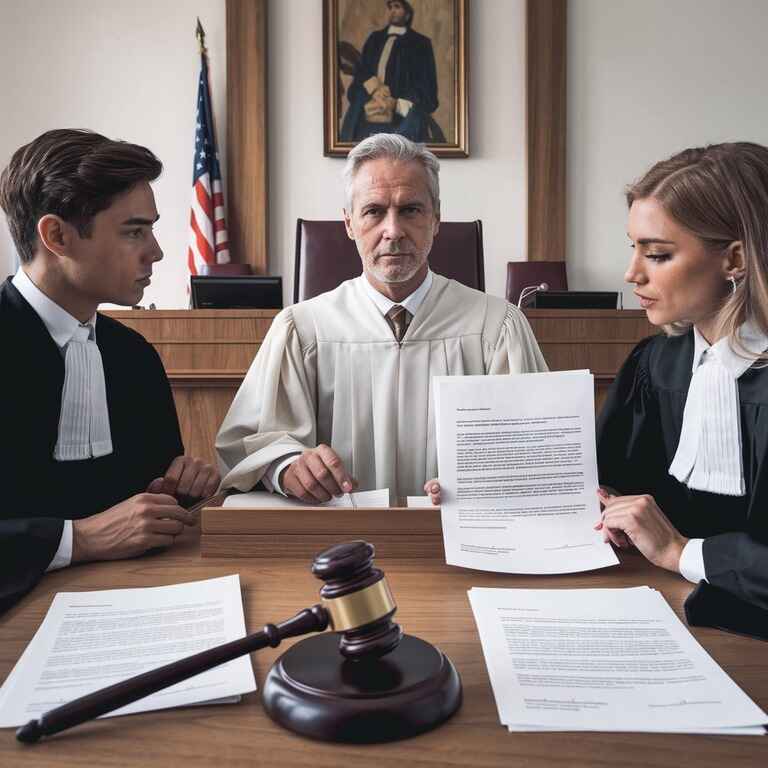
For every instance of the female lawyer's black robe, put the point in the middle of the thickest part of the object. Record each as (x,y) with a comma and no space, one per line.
(637,436)
(37,493)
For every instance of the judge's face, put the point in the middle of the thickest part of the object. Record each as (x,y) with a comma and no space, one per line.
(114,262)
(392,221)
(676,278)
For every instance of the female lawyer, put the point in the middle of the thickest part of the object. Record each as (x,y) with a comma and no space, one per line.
(683,436)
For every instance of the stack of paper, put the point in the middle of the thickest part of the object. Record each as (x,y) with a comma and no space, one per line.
(263,500)
(603,660)
(89,640)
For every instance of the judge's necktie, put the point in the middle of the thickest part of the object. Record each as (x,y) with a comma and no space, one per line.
(398,318)
(84,421)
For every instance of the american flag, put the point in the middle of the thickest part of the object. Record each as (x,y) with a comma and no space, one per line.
(208,240)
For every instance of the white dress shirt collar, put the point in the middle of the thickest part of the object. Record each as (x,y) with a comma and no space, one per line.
(709,456)
(751,337)
(411,303)
(394,29)
(60,324)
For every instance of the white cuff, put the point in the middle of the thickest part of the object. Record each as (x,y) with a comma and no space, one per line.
(692,561)
(271,477)
(403,107)
(371,84)
(63,556)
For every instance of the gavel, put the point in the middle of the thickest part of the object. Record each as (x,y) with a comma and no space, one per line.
(355,601)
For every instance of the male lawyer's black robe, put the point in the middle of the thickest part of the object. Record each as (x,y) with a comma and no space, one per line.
(637,436)
(38,493)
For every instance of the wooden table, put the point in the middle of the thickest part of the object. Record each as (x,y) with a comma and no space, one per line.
(432,604)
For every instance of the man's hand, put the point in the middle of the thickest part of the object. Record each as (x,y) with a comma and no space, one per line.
(187,479)
(639,519)
(432,489)
(129,528)
(317,475)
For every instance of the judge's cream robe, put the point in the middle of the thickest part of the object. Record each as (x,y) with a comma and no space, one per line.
(330,371)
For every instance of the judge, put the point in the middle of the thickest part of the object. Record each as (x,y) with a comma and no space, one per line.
(683,436)
(341,389)
(91,455)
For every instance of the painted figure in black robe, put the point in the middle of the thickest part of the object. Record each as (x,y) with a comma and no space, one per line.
(409,86)
(697,505)
(91,453)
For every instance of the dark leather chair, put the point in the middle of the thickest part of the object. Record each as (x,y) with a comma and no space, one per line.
(326,257)
(521,274)
(225,270)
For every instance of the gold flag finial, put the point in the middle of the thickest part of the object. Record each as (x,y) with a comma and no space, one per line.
(200,35)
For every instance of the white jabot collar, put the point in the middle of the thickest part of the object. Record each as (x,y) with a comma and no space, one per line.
(411,303)
(708,456)
(394,29)
(84,429)
(60,324)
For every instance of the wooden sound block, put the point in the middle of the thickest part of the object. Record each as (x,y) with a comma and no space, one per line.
(302,531)
(313,690)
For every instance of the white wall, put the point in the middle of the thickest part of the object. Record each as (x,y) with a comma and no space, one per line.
(490,185)
(646,79)
(128,70)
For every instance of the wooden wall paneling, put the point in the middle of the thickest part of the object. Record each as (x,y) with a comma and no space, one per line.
(206,354)
(247,132)
(546,124)
(201,411)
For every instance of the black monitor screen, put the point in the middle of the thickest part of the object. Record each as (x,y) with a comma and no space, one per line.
(576,300)
(237,292)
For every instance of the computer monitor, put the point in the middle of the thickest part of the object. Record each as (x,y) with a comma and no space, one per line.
(236,292)
(575,300)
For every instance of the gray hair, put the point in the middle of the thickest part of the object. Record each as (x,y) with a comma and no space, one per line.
(396,148)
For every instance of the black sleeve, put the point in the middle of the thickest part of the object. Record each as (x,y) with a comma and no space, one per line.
(630,450)
(27,547)
(738,563)
(163,422)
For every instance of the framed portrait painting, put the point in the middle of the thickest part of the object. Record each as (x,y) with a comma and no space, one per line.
(396,66)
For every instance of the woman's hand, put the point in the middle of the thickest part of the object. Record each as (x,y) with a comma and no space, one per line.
(432,489)
(638,520)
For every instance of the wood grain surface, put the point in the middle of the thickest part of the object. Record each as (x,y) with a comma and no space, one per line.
(432,604)
(546,60)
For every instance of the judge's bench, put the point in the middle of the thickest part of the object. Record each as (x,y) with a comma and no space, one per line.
(206,353)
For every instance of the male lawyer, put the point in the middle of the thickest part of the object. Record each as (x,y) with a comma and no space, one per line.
(341,389)
(90,451)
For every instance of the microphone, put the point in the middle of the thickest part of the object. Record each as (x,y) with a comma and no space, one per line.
(529,291)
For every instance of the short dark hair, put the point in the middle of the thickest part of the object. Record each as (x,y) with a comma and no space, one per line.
(73,174)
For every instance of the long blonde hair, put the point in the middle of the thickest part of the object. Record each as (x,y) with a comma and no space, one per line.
(719,193)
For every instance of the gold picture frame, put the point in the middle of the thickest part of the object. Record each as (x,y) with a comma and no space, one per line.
(375,82)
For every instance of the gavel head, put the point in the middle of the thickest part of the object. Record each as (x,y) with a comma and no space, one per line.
(358,601)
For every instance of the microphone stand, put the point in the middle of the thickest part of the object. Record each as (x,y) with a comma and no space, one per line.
(529,291)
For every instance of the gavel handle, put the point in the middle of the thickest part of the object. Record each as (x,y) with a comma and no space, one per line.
(313,619)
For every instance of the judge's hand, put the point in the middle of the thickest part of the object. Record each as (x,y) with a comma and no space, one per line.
(640,521)
(316,475)
(432,489)
(130,528)
(188,479)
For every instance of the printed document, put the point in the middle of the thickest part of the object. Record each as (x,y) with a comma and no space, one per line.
(518,472)
(89,640)
(266,500)
(603,660)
